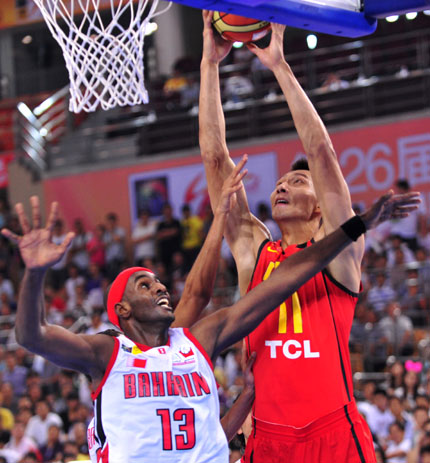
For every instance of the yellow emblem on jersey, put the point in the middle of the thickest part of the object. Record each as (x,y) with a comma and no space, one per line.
(135,350)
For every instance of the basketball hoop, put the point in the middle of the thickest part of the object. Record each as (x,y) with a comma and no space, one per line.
(104,57)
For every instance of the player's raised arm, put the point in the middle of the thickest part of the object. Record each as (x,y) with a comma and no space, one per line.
(228,325)
(330,186)
(53,342)
(212,136)
(244,232)
(201,279)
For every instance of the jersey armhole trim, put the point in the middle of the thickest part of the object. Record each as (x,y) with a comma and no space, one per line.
(340,285)
(260,250)
(191,337)
(111,363)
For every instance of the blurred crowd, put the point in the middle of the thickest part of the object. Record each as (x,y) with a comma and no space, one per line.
(44,411)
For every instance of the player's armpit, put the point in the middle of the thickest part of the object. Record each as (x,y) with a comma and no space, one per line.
(88,354)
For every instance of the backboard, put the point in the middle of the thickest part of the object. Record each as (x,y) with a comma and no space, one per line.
(336,17)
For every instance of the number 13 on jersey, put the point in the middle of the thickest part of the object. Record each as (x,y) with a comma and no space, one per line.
(186,438)
(297,310)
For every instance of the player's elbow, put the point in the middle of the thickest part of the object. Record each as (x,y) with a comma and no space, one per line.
(320,147)
(213,158)
(26,340)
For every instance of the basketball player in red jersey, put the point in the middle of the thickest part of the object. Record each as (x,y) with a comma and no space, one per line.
(304,411)
(136,369)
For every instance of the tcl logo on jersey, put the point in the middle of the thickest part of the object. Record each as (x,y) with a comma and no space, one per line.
(291,349)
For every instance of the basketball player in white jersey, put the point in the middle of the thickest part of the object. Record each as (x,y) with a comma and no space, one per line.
(154,390)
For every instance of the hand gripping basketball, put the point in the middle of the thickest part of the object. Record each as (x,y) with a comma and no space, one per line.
(36,246)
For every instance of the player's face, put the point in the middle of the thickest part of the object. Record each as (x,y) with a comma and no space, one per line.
(294,197)
(149,298)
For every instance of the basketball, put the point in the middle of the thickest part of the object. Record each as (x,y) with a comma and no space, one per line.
(238,28)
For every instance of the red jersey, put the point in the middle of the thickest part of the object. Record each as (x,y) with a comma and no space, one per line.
(302,371)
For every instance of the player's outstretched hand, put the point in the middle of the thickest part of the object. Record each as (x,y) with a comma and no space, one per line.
(272,55)
(232,184)
(215,48)
(391,206)
(36,246)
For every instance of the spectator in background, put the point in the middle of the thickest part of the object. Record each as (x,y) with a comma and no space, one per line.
(78,434)
(192,235)
(78,252)
(237,87)
(333,82)
(174,85)
(397,330)
(38,425)
(265,216)
(20,443)
(398,446)
(398,252)
(9,455)
(72,282)
(168,237)
(53,449)
(423,266)
(4,213)
(58,273)
(420,417)
(380,294)
(96,247)
(407,228)
(142,238)
(6,287)
(379,417)
(402,416)
(115,245)
(14,374)
(414,303)
(397,373)
(97,324)
(425,454)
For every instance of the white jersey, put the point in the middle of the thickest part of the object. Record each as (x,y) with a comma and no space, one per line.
(158,404)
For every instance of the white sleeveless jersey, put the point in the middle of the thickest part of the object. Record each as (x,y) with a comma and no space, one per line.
(158,404)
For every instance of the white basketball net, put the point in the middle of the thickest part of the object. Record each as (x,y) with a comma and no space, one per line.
(104,58)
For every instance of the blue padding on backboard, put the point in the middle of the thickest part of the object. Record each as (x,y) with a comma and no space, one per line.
(384,8)
(317,18)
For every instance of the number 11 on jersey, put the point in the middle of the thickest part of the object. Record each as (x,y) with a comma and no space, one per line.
(297,309)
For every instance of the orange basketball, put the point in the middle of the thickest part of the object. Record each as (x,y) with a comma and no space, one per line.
(238,28)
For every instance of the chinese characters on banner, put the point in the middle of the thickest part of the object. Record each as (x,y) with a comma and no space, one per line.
(372,159)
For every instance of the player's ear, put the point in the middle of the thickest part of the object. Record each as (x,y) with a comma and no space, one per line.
(123,310)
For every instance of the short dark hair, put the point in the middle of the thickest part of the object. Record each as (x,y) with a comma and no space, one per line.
(425,449)
(300,164)
(381,391)
(111,216)
(403,184)
(399,424)
(186,208)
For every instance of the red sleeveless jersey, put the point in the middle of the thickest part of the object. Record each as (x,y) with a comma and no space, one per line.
(302,371)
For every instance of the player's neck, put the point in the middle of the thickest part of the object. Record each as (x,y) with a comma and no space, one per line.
(152,336)
(297,231)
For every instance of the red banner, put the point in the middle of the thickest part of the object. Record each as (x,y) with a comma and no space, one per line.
(372,159)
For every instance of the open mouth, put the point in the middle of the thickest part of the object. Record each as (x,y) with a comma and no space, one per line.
(164,302)
(281,201)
